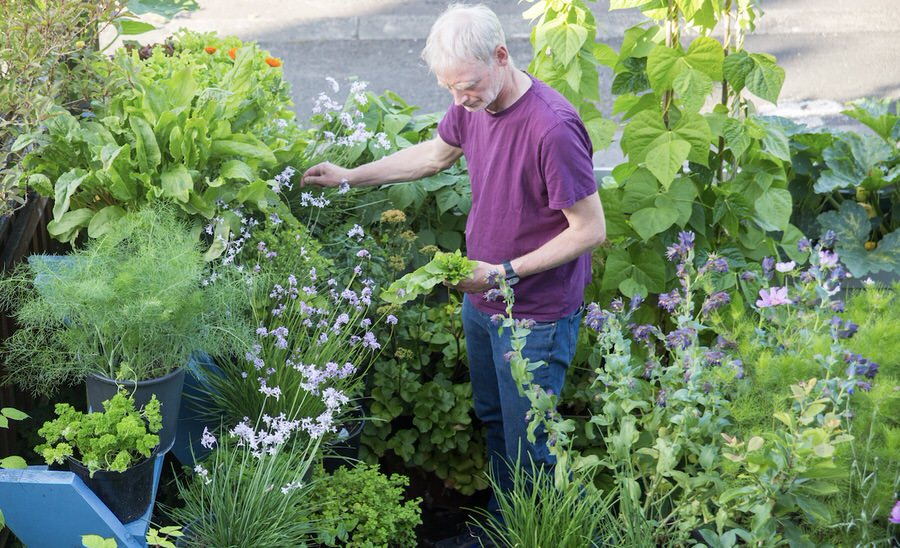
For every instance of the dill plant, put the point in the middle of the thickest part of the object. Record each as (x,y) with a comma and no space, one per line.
(131,305)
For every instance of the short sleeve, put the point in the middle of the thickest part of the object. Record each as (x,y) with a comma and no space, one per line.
(449,127)
(566,164)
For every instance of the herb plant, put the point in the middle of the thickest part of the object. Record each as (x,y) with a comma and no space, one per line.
(131,305)
(361,507)
(113,439)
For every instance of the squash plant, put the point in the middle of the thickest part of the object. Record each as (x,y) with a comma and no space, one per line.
(850,183)
(200,129)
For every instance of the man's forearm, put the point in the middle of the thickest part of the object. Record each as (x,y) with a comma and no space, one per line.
(566,246)
(408,164)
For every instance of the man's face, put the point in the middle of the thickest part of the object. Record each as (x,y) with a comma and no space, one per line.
(474,86)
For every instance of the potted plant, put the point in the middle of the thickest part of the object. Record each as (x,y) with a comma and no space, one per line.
(111,451)
(126,310)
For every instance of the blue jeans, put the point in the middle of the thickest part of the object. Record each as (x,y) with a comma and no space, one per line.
(497,401)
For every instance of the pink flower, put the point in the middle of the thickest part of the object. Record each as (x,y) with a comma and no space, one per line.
(774,296)
(895,513)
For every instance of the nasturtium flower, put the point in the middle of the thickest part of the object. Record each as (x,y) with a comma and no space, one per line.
(273,61)
(209,49)
(232,53)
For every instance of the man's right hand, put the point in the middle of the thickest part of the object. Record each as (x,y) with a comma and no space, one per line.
(325,174)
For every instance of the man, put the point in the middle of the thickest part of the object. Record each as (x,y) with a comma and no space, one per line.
(535,217)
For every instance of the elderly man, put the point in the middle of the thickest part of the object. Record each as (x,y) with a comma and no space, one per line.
(535,217)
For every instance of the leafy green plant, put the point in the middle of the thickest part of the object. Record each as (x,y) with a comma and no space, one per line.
(131,305)
(112,440)
(196,128)
(444,267)
(848,183)
(566,57)
(361,507)
(420,399)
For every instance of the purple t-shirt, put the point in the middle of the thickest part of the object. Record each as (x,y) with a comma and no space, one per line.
(526,164)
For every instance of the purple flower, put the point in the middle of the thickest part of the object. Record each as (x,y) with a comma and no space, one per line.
(497,318)
(715,301)
(828,259)
(828,239)
(738,366)
(642,332)
(714,264)
(661,398)
(363,254)
(768,263)
(895,513)
(837,306)
(648,369)
(715,357)
(595,318)
(679,250)
(680,338)
(773,296)
(616,305)
(748,275)
(493,294)
(804,245)
(636,302)
(391,319)
(669,301)
(842,329)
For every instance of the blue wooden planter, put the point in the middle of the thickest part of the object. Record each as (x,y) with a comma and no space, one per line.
(49,508)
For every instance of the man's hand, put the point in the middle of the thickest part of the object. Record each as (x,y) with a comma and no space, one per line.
(482,278)
(325,174)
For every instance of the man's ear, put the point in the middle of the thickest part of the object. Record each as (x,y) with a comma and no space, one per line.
(501,54)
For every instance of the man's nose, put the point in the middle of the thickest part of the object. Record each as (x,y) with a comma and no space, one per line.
(458,97)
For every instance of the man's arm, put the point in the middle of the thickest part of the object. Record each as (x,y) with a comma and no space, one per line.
(408,164)
(586,231)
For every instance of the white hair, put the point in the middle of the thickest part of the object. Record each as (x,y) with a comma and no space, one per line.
(463,34)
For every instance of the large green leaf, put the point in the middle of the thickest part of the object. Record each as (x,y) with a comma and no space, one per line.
(566,40)
(649,222)
(666,157)
(145,146)
(104,220)
(736,136)
(706,55)
(680,197)
(876,114)
(177,183)
(641,189)
(854,160)
(776,141)
(236,169)
(130,27)
(693,87)
(165,8)
(638,264)
(773,209)
(766,77)
(404,195)
(65,228)
(256,151)
(663,65)
(850,224)
(694,129)
(65,188)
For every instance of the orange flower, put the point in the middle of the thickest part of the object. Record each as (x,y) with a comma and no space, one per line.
(232,53)
(273,61)
(209,49)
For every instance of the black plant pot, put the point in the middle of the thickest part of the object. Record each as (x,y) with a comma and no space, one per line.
(127,494)
(167,390)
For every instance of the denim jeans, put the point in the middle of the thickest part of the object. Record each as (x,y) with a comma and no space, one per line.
(497,401)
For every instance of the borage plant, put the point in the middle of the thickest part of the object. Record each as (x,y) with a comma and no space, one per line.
(663,397)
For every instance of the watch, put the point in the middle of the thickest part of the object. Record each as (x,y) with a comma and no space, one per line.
(511,277)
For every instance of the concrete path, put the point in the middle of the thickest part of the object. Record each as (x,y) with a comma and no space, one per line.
(833,51)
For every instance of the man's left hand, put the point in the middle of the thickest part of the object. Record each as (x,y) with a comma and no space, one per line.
(481,280)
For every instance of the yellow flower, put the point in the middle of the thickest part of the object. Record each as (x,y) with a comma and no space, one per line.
(393,216)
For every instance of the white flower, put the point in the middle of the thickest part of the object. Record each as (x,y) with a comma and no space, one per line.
(335,87)
(785,267)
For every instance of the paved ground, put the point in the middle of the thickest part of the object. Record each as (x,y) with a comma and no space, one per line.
(833,51)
